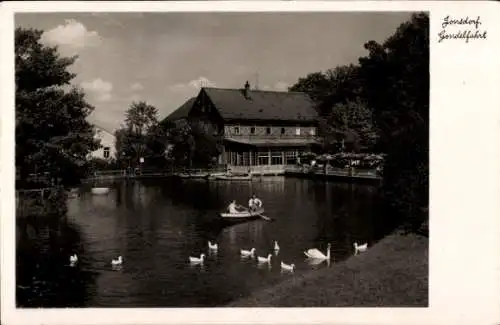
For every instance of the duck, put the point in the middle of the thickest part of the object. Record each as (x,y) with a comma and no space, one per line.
(73,259)
(316,254)
(118,261)
(213,246)
(360,248)
(267,259)
(246,253)
(197,260)
(287,267)
(276,246)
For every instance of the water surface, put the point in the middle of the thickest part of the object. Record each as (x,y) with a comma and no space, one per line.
(156,225)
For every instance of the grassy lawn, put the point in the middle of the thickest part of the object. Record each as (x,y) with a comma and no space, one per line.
(393,273)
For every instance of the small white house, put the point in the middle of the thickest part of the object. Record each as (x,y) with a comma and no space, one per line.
(107,151)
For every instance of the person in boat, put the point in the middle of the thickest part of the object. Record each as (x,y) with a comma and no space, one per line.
(233,207)
(254,203)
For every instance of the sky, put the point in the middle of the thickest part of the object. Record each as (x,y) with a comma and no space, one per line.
(164,58)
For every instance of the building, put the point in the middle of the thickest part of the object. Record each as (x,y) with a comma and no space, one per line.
(107,151)
(180,115)
(261,130)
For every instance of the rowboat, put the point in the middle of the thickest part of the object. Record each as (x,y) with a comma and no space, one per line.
(100,190)
(243,215)
(233,178)
(194,176)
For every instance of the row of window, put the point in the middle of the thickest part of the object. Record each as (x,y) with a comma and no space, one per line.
(261,158)
(236,130)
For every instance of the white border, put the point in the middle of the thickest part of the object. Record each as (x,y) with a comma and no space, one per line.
(465,177)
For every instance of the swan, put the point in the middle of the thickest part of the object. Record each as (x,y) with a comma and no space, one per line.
(246,253)
(276,246)
(213,246)
(314,253)
(360,248)
(287,267)
(118,261)
(196,260)
(73,259)
(264,259)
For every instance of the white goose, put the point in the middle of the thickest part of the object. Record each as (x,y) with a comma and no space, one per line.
(360,248)
(267,259)
(118,261)
(197,260)
(314,253)
(287,267)
(73,259)
(246,253)
(213,246)
(276,246)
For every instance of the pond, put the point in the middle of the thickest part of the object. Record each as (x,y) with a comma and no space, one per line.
(157,224)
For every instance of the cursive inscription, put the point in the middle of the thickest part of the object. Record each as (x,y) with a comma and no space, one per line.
(462,28)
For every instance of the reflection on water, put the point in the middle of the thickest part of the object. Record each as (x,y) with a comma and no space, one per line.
(156,225)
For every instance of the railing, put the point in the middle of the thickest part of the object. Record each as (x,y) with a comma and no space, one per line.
(36,202)
(334,171)
(259,169)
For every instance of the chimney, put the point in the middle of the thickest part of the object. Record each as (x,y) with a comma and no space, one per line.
(246,90)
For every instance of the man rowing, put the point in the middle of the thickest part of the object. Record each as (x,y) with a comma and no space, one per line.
(233,207)
(254,203)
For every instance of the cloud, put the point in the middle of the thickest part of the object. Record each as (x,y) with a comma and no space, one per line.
(136,87)
(134,98)
(99,89)
(192,85)
(72,34)
(280,85)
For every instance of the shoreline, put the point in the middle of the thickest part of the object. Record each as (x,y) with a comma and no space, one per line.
(392,273)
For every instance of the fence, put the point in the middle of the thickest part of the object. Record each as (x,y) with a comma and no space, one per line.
(36,202)
(334,171)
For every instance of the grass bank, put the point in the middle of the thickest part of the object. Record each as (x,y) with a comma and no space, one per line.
(392,273)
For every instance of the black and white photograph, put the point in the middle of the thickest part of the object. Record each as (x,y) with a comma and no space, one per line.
(209,159)
(222,159)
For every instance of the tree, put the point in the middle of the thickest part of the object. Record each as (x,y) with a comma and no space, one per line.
(354,120)
(137,138)
(140,117)
(316,85)
(344,114)
(396,74)
(52,133)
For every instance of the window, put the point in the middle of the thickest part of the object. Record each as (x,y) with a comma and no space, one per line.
(263,158)
(282,130)
(268,130)
(276,158)
(291,157)
(312,131)
(236,130)
(106,153)
(252,130)
(297,131)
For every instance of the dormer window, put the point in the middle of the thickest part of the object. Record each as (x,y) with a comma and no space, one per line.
(236,130)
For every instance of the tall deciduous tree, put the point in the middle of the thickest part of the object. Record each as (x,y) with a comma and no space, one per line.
(397,78)
(140,136)
(140,117)
(52,133)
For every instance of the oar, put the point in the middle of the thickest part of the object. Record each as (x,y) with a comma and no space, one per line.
(260,215)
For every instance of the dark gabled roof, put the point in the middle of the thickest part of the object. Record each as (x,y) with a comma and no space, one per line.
(182,111)
(262,105)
